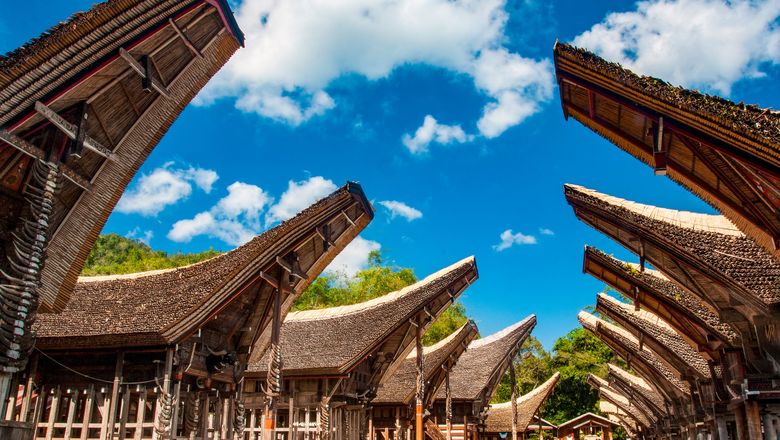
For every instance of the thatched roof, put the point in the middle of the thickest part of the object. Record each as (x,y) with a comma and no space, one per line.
(618,416)
(642,359)
(584,419)
(726,153)
(657,291)
(78,63)
(160,307)
(638,387)
(401,386)
(760,125)
(712,244)
(615,396)
(481,368)
(657,333)
(499,416)
(333,341)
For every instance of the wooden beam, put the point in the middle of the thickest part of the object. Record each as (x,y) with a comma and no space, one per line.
(145,73)
(37,153)
(120,362)
(184,39)
(77,146)
(71,130)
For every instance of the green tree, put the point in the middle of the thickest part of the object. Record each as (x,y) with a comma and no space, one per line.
(114,254)
(532,367)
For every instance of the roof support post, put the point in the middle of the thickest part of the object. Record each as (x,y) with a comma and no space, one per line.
(513,387)
(120,362)
(418,409)
(162,423)
(448,402)
(659,153)
(274,378)
(145,71)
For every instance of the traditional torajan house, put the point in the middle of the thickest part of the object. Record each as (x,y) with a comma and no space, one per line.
(161,354)
(474,380)
(333,361)
(81,107)
(393,409)
(646,424)
(619,417)
(686,364)
(505,418)
(727,153)
(678,400)
(592,426)
(637,389)
(710,258)
(693,319)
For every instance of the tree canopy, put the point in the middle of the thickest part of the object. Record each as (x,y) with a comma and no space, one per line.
(114,254)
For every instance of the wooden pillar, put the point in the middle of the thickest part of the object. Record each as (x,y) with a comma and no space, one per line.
(753,419)
(291,413)
(140,414)
(274,379)
(53,413)
(204,415)
(162,422)
(28,388)
(176,405)
(739,421)
(124,413)
(448,403)
(72,401)
(513,386)
(89,405)
(418,407)
(120,361)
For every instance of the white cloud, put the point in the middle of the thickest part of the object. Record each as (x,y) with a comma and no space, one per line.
(695,43)
(143,236)
(163,187)
(546,231)
(354,257)
(295,48)
(397,208)
(509,239)
(432,131)
(234,219)
(299,195)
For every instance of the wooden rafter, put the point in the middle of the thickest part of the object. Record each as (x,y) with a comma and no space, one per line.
(185,39)
(71,130)
(145,73)
(37,153)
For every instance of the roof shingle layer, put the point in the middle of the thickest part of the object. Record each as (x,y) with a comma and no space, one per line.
(499,416)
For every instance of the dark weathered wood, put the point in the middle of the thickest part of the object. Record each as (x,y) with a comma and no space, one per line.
(37,153)
(71,130)
(185,39)
(120,360)
(77,145)
(142,70)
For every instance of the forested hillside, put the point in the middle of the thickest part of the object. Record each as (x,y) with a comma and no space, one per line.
(114,254)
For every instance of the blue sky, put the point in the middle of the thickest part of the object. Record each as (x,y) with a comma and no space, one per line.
(448,107)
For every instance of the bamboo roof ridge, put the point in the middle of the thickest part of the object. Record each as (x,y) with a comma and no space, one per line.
(401,386)
(639,412)
(710,240)
(312,341)
(642,358)
(670,346)
(159,307)
(499,416)
(625,277)
(89,65)
(480,368)
(638,386)
(726,153)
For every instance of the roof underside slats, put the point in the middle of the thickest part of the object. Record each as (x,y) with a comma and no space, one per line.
(727,153)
